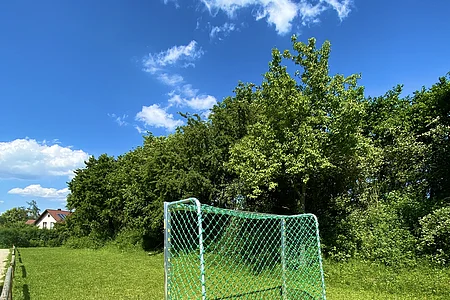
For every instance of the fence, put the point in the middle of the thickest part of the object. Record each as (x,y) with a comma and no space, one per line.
(8,283)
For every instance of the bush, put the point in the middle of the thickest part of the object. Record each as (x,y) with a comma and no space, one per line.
(435,236)
(128,240)
(23,235)
(85,242)
(377,234)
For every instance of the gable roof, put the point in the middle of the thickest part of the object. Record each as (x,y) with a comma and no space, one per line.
(57,214)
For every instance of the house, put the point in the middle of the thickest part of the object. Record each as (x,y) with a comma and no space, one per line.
(50,217)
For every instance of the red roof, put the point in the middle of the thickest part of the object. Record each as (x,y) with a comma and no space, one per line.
(30,222)
(58,215)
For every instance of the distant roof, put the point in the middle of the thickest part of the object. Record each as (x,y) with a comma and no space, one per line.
(57,214)
(30,222)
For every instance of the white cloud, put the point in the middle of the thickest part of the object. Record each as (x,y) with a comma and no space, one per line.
(188,91)
(200,102)
(1,201)
(139,129)
(27,158)
(119,119)
(281,13)
(223,30)
(156,116)
(171,80)
(341,7)
(175,2)
(36,190)
(155,62)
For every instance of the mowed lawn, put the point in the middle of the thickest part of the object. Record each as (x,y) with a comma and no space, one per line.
(61,273)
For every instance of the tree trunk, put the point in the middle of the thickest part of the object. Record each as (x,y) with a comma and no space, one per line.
(303,198)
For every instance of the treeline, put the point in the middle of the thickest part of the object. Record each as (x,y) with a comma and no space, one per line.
(15,231)
(376,171)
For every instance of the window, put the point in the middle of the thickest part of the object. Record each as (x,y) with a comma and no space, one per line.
(52,224)
(44,225)
(62,216)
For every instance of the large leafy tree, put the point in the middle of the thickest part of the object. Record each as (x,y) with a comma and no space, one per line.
(305,128)
(15,215)
(431,117)
(92,197)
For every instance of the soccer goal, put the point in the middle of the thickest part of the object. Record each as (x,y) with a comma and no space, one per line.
(213,253)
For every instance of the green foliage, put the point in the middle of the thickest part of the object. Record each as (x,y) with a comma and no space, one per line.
(15,215)
(377,234)
(129,240)
(33,210)
(304,130)
(84,242)
(301,141)
(435,235)
(28,236)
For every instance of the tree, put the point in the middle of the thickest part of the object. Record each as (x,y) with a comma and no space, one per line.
(304,129)
(15,215)
(91,194)
(33,210)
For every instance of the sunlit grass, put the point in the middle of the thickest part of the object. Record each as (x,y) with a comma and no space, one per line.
(365,280)
(61,273)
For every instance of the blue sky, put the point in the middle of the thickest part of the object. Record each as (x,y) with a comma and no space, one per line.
(80,78)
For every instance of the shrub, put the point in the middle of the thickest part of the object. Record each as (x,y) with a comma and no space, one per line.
(128,240)
(85,242)
(377,234)
(435,236)
(23,235)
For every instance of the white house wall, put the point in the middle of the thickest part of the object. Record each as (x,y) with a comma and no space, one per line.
(49,219)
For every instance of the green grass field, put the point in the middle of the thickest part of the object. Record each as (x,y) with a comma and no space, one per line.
(60,273)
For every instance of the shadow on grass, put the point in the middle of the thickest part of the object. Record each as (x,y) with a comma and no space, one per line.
(26,292)
(25,288)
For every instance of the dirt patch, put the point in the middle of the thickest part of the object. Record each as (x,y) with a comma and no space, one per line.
(3,261)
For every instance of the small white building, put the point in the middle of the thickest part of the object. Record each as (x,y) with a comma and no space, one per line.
(50,217)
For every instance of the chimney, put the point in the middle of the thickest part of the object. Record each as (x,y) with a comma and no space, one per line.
(59,208)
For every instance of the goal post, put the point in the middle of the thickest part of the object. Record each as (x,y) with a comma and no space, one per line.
(214,253)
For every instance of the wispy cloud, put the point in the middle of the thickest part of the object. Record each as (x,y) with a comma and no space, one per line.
(139,129)
(1,201)
(281,13)
(222,31)
(199,103)
(341,7)
(156,116)
(182,94)
(28,158)
(171,80)
(155,62)
(36,190)
(175,2)
(119,119)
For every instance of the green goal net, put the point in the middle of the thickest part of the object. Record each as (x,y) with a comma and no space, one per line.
(213,253)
